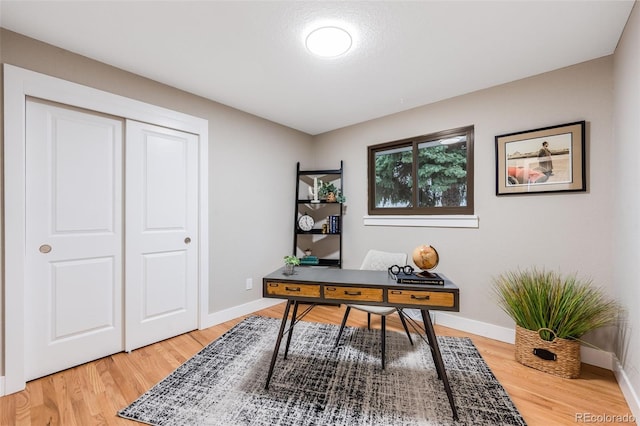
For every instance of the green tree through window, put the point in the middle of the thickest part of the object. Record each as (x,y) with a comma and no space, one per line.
(429,174)
(394,177)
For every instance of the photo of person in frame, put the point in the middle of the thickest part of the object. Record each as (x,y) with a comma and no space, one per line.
(544,159)
(539,160)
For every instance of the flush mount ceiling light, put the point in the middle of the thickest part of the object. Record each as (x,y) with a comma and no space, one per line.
(328,42)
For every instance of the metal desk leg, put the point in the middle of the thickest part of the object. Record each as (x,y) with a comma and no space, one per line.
(278,340)
(293,322)
(435,348)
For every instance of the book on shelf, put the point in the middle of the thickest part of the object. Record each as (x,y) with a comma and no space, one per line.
(428,278)
(309,260)
(333,224)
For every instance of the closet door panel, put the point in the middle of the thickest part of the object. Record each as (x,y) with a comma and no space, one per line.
(161,231)
(73,260)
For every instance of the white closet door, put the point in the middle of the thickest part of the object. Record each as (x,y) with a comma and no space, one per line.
(73,260)
(161,233)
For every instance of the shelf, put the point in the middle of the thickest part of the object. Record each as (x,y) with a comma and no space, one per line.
(319,202)
(325,213)
(316,232)
(319,172)
(324,262)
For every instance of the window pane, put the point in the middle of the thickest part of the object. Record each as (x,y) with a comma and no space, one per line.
(423,175)
(442,172)
(393,177)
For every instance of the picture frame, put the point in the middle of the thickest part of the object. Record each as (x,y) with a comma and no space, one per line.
(549,159)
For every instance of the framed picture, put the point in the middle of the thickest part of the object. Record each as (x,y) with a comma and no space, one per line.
(551,159)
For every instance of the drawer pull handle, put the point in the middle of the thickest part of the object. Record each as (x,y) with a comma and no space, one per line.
(292,288)
(331,289)
(273,285)
(396,292)
(426,297)
(352,293)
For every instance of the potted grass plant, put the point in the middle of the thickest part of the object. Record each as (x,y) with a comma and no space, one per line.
(551,313)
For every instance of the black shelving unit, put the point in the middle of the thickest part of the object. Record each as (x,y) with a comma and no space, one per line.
(325,239)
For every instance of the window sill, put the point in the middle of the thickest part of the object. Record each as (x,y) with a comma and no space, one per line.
(440,221)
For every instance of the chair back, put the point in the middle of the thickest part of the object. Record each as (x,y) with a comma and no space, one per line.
(376,260)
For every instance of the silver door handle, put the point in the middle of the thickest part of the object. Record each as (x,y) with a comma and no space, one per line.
(187,240)
(45,248)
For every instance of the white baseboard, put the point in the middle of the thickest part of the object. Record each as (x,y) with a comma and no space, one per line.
(238,311)
(480,328)
(588,355)
(627,389)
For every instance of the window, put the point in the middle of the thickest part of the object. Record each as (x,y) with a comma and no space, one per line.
(425,175)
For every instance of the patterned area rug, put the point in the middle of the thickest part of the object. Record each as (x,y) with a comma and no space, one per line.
(321,385)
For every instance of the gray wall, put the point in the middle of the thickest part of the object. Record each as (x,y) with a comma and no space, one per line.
(626,209)
(251,169)
(569,232)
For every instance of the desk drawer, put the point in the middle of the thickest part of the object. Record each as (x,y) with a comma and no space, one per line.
(289,289)
(359,294)
(420,297)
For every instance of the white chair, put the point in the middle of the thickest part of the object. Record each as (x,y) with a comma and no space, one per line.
(376,260)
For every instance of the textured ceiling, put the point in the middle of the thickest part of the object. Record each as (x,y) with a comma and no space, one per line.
(250,54)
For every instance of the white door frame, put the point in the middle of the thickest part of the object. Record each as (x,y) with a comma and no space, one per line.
(18,84)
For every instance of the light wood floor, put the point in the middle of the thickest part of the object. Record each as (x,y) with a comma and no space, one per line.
(92,393)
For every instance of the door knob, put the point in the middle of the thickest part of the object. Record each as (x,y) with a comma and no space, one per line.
(187,240)
(45,248)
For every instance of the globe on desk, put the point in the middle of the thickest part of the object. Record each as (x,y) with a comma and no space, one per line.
(426,258)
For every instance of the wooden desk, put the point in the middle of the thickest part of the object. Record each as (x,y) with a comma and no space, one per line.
(354,286)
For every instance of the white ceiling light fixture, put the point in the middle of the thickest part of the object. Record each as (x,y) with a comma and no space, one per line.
(329,41)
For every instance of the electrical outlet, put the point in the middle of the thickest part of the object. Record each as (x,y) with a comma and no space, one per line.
(248,284)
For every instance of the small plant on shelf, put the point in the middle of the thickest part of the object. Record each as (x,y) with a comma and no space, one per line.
(331,193)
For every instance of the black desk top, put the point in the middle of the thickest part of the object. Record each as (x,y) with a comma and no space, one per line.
(352,277)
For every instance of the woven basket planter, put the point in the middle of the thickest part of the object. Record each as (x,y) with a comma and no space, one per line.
(560,357)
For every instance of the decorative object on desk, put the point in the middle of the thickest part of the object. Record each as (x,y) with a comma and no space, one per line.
(331,193)
(396,269)
(290,262)
(319,385)
(306,222)
(426,258)
(551,313)
(307,252)
(406,275)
